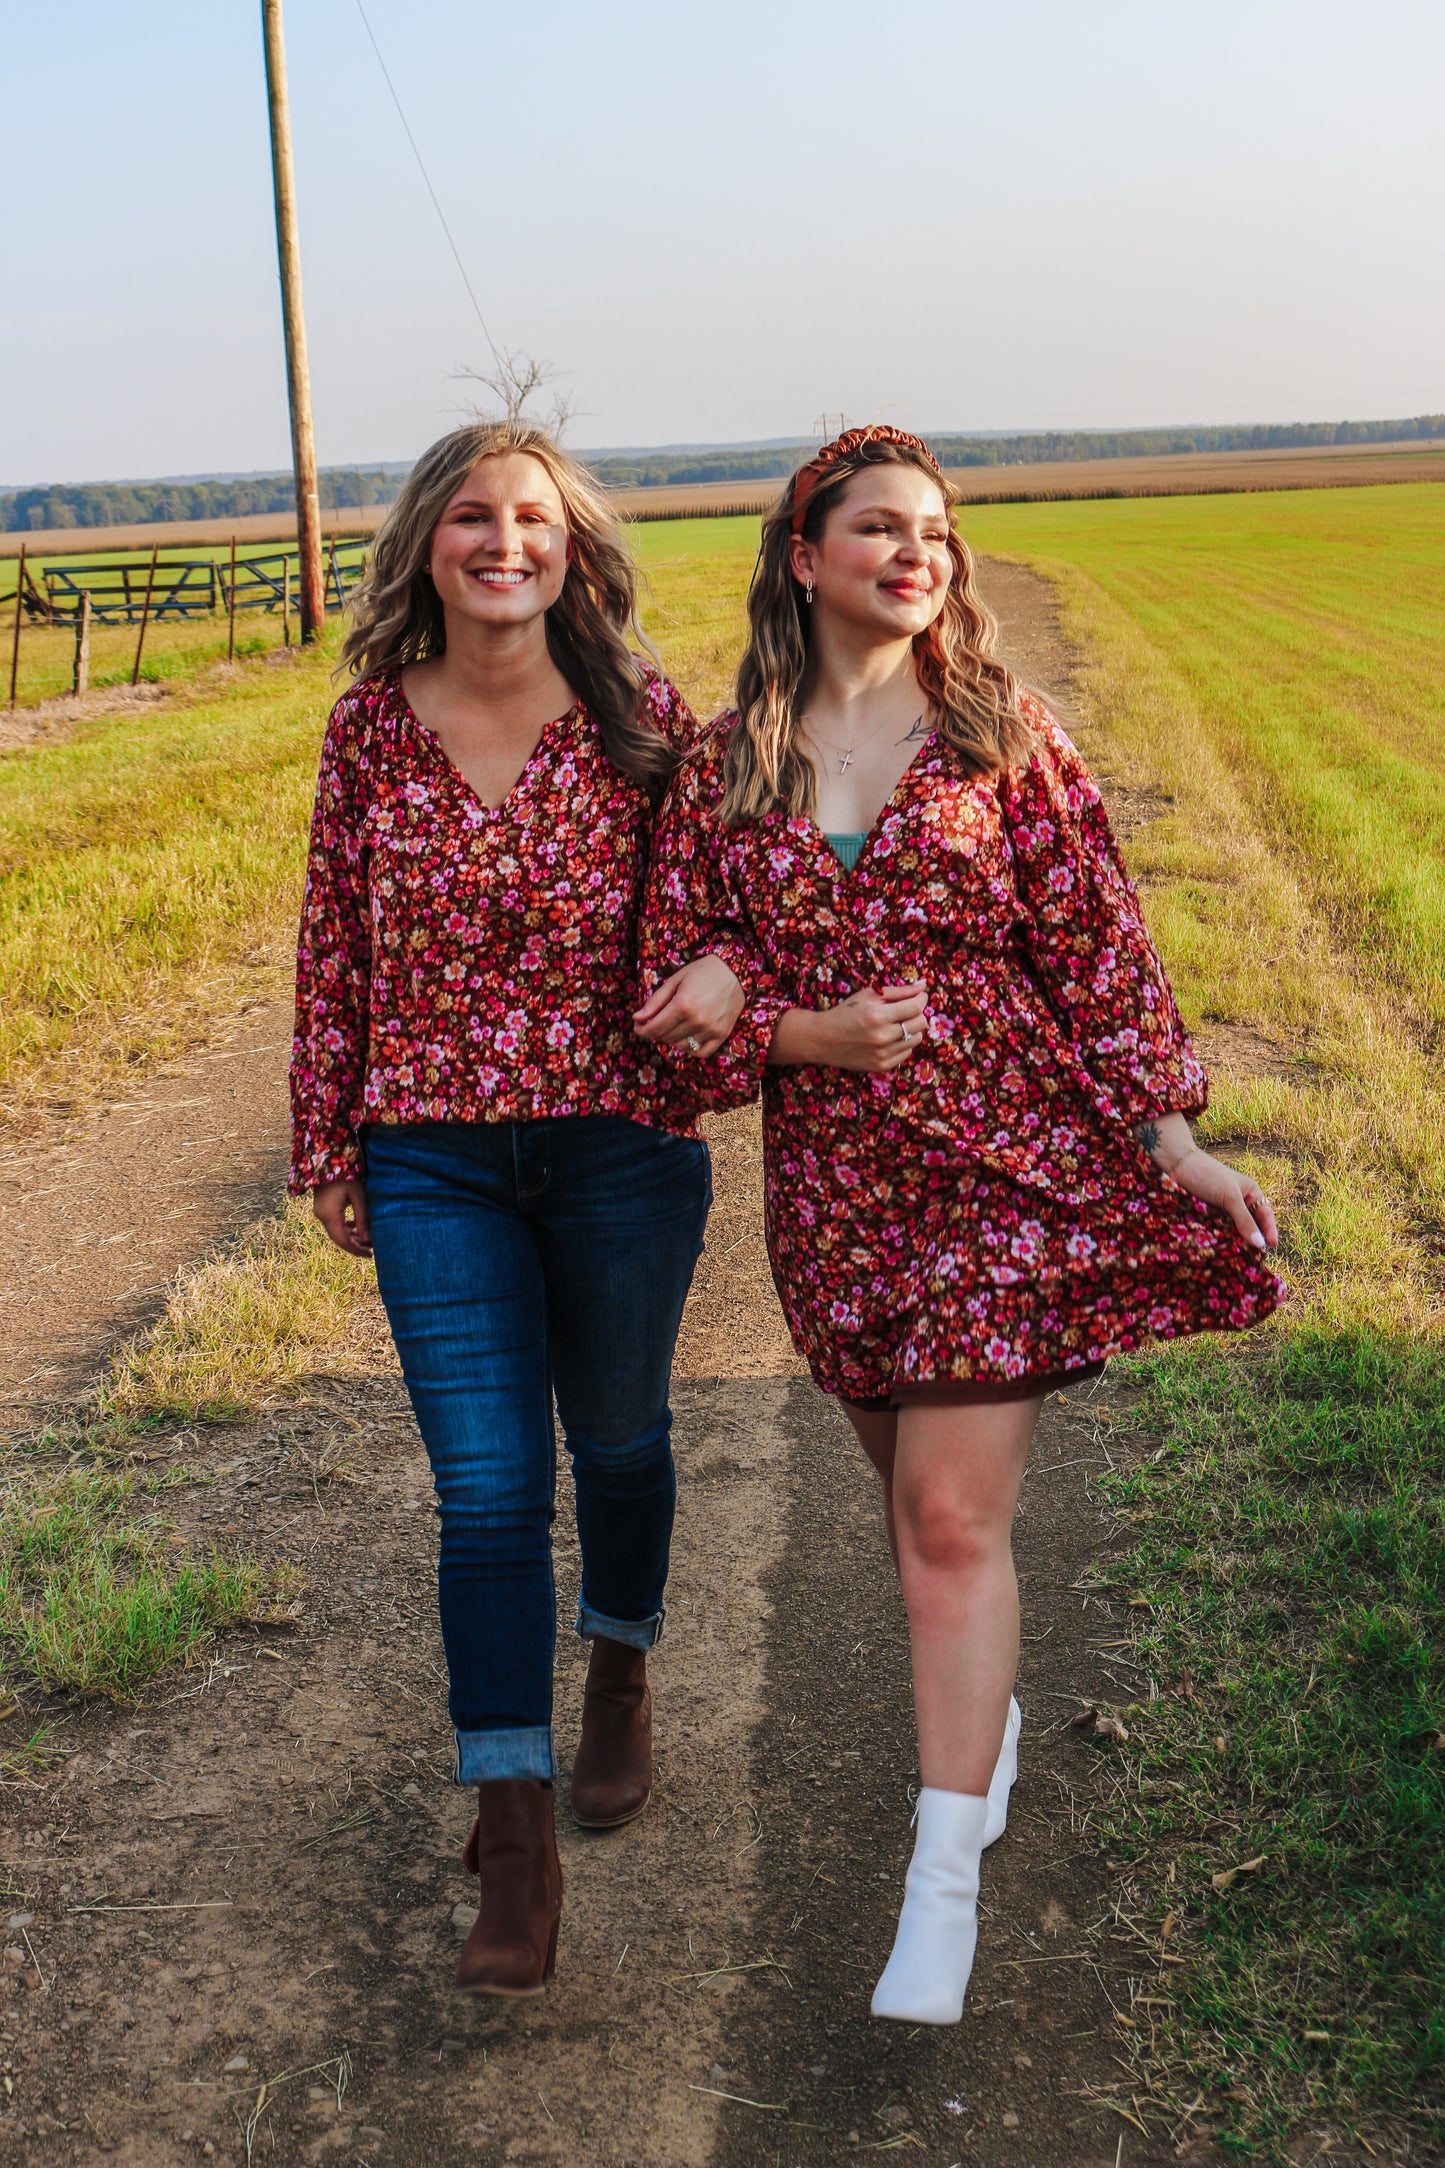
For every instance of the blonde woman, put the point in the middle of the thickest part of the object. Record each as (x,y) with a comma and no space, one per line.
(472,1106)
(980,1179)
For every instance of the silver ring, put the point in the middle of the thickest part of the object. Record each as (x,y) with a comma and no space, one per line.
(907,1034)
(693,1044)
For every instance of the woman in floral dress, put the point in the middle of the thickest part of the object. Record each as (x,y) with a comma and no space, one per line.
(472,1105)
(980,1180)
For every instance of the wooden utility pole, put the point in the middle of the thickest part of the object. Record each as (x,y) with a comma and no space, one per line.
(298,375)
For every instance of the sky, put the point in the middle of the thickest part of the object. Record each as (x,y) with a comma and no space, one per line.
(717,219)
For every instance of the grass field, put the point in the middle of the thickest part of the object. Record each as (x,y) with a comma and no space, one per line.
(1270,669)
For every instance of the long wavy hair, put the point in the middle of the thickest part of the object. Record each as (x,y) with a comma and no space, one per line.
(971,692)
(592,629)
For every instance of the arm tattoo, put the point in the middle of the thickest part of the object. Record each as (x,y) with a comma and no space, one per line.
(921,729)
(1148,1135)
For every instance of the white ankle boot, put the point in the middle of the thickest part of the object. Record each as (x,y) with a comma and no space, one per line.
(924,1980)
(1002,1782)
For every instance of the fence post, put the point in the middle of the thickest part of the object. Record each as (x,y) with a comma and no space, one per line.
(82,643)
(15,643)
(231,608)
(145,613)
(286,601)
(336,577)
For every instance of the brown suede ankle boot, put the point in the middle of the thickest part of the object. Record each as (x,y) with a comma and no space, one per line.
(612,1774)
(512,1948)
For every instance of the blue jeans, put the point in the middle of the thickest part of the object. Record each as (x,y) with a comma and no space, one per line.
(518,1260)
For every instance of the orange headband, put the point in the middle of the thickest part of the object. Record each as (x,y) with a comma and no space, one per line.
(807,478)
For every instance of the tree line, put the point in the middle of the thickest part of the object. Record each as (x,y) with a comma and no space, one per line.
(124,504)
(654,469)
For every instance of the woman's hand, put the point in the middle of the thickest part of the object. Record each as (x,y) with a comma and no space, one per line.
(1170,1143)
(331,1203)
(871,1031)
(696,1008)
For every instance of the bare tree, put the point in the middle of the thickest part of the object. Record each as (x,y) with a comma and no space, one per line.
(514,380)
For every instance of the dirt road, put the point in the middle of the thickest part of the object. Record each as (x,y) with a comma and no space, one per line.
(234,1909)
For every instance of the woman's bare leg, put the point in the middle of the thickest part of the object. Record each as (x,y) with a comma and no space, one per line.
(955,1480)
(877,1432)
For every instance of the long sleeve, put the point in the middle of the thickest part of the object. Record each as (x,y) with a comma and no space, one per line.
(333,974)
(692,908)
(664,708)
(1084,932)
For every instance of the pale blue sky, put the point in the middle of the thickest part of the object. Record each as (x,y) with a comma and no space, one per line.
(718,220)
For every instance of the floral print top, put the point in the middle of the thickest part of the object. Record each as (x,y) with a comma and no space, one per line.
(459,963)
(983,1215)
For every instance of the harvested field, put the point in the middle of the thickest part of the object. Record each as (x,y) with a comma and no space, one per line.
(1184,474)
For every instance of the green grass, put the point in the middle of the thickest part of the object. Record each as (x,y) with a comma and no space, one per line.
(150,869)
(1298,636)
(93,1596)
(1273,668)
(1291,1548)
(175,650)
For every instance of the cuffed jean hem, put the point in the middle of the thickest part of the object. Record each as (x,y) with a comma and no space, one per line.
(633,1633)
(483,1756)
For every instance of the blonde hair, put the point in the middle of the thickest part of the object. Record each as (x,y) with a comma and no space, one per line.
(592,627)
(972,694)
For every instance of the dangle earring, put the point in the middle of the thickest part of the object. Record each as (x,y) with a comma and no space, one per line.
(808,592)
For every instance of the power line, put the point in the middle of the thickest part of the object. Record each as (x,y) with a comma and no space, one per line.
(421,168)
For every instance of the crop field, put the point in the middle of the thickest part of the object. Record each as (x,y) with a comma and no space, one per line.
(1266,675)
(1176,474)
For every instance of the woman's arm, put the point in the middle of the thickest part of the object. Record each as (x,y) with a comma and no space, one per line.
(1083,931)
(1169,1141)
(333,978)
(874,1032)
(342,1210)
(704,973)
(695,1008)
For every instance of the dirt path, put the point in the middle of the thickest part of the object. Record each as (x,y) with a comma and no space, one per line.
(273,1841)
(97,1214)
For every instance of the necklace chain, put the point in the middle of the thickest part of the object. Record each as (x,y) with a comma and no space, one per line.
(844,758)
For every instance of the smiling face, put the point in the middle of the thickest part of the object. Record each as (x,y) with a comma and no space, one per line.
(499,551)
(881,562)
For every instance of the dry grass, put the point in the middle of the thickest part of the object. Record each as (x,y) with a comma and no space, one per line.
(150,869)
(97,1593)
(240,1329)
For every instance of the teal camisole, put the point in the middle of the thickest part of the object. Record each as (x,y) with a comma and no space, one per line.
(845,848)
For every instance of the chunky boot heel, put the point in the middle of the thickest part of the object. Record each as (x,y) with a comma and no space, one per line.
(612,1773)
(512,1948)
(925,1979)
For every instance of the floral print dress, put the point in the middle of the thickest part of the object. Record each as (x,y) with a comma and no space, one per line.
(463,963)
(982,1221)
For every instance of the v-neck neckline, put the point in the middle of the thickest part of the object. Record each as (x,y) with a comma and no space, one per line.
(492,812)
(842,873)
